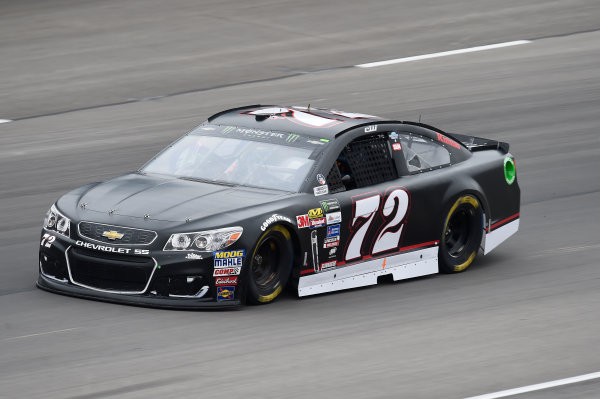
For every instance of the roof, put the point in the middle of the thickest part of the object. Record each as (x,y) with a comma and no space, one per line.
(309,121)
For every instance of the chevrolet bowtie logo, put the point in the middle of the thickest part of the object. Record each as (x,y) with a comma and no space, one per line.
(112,235)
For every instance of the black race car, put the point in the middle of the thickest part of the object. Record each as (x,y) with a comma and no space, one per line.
(260,197)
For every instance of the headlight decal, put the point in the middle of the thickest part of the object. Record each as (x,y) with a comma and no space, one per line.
(57,222)
(204,241)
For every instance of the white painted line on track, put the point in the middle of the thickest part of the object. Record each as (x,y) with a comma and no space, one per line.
(443,54)
(43,333)
(537,387)
(5,120)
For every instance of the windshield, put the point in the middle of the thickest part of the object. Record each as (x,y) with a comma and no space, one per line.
(234,161)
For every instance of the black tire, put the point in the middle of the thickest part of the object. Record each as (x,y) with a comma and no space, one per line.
(461,235)
(270,265)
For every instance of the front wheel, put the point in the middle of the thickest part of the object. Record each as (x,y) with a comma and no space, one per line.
(461,235)
(270,265)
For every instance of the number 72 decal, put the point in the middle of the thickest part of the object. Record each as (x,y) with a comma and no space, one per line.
(387,231)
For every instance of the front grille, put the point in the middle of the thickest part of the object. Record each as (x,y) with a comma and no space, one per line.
(108,272)
(131,236)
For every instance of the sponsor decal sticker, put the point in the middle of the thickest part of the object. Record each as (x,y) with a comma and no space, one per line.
(225,293)
(104,248)
(394,136)
(321,190)
(227,271)
(193,256)
(328,265)
(333,218)
(321,179)
(330,205)
(274,218)
(302,221)
(291,138)
(315,213)
(331,242)
(333,231)
(226,280)
(372,128)
(229,259)
(448,141)
(332,252)
(397,147)
(320,222)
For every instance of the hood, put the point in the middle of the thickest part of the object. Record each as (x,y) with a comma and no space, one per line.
(171,199)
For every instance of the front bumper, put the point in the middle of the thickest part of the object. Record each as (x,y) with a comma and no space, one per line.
(144,277)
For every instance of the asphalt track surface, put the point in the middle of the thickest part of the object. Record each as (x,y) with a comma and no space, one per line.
(95,88)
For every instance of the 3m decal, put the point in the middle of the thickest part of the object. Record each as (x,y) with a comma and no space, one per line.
(274,218)
(387,231)
(320,222)
(321,190)
(47,240)
(448,141)
(302,221)
(333,231)
(315,213)
(228,271)
(333,218)
(226,280)
(397,147)
(330,205)
(225,293)
(321,179)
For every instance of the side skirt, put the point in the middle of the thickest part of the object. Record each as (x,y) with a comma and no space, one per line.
(499,235)
(402,266)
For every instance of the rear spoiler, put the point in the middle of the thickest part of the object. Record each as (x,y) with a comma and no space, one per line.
(479,144)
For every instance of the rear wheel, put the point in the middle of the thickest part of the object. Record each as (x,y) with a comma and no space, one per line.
(461,235)
(270,265)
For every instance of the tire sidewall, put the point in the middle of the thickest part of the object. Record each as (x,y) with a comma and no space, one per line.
(452,264)
(282,236)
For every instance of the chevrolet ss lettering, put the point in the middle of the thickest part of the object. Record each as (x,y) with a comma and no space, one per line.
(261,199)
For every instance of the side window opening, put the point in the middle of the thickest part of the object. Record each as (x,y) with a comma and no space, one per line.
(422,153)
(363,162)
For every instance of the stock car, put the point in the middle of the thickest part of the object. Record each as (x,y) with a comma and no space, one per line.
(260,197)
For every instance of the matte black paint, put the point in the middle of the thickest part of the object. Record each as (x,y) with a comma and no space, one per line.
(169,205)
